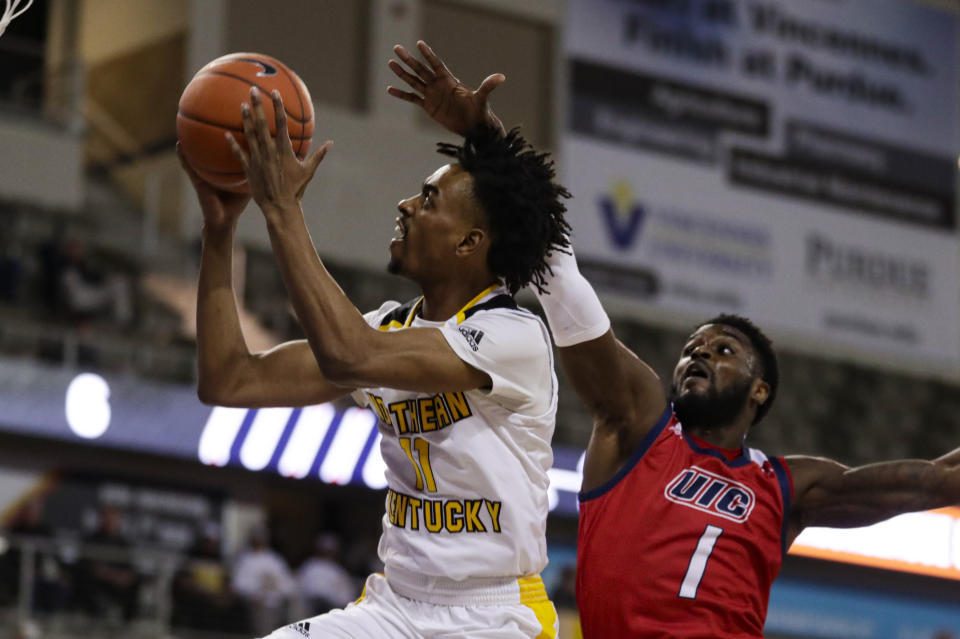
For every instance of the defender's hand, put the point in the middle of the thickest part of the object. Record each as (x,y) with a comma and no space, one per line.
(220,208)
(277,177)
(445,99)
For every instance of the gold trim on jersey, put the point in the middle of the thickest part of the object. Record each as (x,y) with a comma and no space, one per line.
(461,314)
(386,324)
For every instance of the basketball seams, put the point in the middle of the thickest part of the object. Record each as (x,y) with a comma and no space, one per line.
(296,89)
(227,74)
(219,125)
(198,115)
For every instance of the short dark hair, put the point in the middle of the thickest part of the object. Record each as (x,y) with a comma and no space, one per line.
(763,348)
(515,187)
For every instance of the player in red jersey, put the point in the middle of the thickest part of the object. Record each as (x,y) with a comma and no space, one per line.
(682,527)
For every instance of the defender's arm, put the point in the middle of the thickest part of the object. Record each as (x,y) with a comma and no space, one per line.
(828,493)
(624,395)
(452,105)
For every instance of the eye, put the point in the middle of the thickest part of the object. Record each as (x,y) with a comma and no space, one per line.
(725,349)
(687,351)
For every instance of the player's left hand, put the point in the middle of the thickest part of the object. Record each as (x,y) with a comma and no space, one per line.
(453,105)
(277,177)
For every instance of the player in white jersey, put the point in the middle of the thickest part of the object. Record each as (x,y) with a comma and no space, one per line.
(461,379)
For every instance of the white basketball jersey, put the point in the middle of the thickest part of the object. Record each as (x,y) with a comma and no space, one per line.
(467,471)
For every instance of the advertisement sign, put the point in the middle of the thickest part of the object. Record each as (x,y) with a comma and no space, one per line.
(926,543)
(760,158)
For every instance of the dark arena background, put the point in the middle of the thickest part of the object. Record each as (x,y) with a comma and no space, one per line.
(792,161)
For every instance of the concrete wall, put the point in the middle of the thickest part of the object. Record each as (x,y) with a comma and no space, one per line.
(40,163)
(108,28)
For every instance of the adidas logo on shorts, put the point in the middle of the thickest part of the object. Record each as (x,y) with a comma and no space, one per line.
(303,627)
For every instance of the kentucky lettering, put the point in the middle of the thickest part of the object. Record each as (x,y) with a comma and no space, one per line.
(451,515)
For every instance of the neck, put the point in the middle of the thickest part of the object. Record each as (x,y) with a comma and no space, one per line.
(729,435)
(443,299)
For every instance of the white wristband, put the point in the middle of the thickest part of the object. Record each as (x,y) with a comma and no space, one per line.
(572,307)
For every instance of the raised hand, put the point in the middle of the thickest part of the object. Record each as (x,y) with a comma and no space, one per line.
(445,99)
(220,208)
(277,177)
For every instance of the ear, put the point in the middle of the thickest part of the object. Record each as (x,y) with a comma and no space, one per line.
(760,391)
(473,241)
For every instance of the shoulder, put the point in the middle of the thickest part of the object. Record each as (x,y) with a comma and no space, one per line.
(392,314)
(507,327)
(810,473)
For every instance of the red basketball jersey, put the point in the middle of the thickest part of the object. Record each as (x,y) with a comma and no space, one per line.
(682,542)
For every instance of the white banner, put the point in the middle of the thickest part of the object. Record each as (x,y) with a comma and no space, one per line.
(794,162)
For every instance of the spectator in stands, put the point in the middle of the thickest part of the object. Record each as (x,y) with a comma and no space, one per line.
(263,580)
(87,292)
(202,598)
(323,582)
(106,576)
(51,583)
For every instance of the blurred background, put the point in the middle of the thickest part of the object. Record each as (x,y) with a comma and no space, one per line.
(796,162)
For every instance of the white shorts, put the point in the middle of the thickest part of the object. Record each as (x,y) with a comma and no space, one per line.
(381,613)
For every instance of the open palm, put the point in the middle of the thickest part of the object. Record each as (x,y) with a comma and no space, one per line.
(453,105)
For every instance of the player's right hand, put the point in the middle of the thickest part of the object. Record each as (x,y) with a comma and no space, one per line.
(220,208)
(453,105)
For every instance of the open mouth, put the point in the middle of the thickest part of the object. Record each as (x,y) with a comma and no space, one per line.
(696,369)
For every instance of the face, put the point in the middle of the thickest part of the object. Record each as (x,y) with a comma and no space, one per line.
(433,225)
(714,379)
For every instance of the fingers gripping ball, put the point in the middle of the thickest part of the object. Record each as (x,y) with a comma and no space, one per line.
(210,106)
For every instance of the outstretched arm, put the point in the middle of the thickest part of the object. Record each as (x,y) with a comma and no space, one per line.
(347,350)
(228,373)
(827,493)
(624,395)
(950,460)
(454,106)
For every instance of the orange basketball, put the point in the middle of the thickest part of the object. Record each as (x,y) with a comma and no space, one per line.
(210,106)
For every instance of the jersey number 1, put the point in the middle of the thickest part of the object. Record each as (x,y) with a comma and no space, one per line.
(418,452)
(698,563)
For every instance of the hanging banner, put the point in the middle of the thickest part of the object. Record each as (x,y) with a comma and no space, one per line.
(795,162)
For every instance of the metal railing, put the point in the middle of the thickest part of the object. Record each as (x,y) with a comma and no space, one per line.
(155,569)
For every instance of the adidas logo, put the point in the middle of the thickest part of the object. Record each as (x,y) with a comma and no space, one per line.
(303,627)
(472,335)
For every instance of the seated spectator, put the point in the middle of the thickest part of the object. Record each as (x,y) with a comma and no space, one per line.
(263,580)
(102,583)
(323,582)
(87,292)
(202,598)
(51,583)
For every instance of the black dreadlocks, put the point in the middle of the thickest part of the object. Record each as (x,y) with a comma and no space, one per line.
(514,185)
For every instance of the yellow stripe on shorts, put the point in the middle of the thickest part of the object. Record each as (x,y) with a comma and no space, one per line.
(534,596)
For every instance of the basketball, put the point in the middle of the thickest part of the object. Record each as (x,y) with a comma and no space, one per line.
(210,106)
